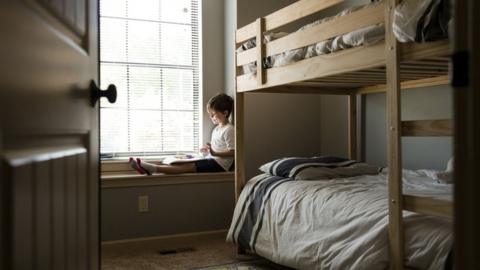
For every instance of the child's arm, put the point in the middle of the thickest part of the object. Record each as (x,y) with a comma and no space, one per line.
(229,153)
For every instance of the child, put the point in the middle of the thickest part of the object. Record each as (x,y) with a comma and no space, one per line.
(220,151)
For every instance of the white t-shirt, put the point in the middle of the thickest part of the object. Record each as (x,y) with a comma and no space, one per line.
(223,139)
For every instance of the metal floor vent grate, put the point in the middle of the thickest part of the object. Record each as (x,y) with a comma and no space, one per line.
(176,250)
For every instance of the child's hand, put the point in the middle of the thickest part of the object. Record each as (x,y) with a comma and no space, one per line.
(209,146)
(205,149)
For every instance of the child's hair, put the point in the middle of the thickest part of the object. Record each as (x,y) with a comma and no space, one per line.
(221,103)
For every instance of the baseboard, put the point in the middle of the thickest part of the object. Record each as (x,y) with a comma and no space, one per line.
(165,241)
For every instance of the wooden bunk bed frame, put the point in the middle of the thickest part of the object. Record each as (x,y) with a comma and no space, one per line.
(387,66)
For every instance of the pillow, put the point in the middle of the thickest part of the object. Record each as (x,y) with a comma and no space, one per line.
(449,167)
(291,166)
(323,173)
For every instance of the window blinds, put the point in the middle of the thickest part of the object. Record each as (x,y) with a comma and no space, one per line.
(150,50)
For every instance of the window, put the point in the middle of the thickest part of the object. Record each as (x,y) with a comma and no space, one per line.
(150,50)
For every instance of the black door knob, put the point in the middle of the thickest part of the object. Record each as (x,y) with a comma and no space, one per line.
(96,93)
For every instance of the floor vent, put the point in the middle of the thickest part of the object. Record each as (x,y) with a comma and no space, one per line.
(176,250)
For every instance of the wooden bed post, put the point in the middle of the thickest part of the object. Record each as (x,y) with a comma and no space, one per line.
(239,150)
(239,108)
(239,114)
(361,122)
(260,25)
(396,234)
(352,126)
(239,143)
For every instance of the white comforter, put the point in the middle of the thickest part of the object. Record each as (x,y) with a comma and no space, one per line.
(343,223)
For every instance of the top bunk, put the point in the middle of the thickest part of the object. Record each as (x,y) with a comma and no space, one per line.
(342,54)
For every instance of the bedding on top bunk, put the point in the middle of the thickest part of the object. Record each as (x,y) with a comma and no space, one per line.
(414,21)
(339,223)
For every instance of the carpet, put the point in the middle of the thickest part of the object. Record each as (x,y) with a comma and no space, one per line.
(205,254)
(210,254)
(255,264)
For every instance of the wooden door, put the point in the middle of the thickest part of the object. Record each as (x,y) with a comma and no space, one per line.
(49,135)
(466,80)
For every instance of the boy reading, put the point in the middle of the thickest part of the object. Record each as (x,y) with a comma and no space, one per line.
(220,151)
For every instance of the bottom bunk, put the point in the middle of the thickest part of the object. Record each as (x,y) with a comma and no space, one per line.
(333,214)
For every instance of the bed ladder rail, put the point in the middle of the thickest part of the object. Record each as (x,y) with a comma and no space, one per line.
(428,206)
(260,49)
(427,128)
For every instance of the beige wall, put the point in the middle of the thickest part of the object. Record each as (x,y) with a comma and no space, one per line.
(213,61)
(230,19)
(276,125)
(334,117)
(173,209)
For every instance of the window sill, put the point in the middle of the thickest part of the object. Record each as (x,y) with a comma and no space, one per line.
(136,180)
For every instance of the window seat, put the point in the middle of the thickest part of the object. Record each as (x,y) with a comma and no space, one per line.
(134,179)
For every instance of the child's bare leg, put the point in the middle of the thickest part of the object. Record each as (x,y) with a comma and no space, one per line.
(188,167)
(150,168)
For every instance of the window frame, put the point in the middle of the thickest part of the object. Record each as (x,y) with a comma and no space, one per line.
(197,74)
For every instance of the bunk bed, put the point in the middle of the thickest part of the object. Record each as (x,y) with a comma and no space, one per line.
(384,66)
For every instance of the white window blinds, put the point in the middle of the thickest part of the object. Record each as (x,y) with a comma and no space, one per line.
(150,50)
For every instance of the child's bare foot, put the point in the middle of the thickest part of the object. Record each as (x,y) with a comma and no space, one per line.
(136,164)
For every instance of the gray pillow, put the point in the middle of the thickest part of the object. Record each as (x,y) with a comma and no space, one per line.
(325,173)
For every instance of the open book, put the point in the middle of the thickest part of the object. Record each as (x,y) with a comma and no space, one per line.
(181,159)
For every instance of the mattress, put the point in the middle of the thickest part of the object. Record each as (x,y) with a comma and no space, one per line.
(338,223)
(414,21)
